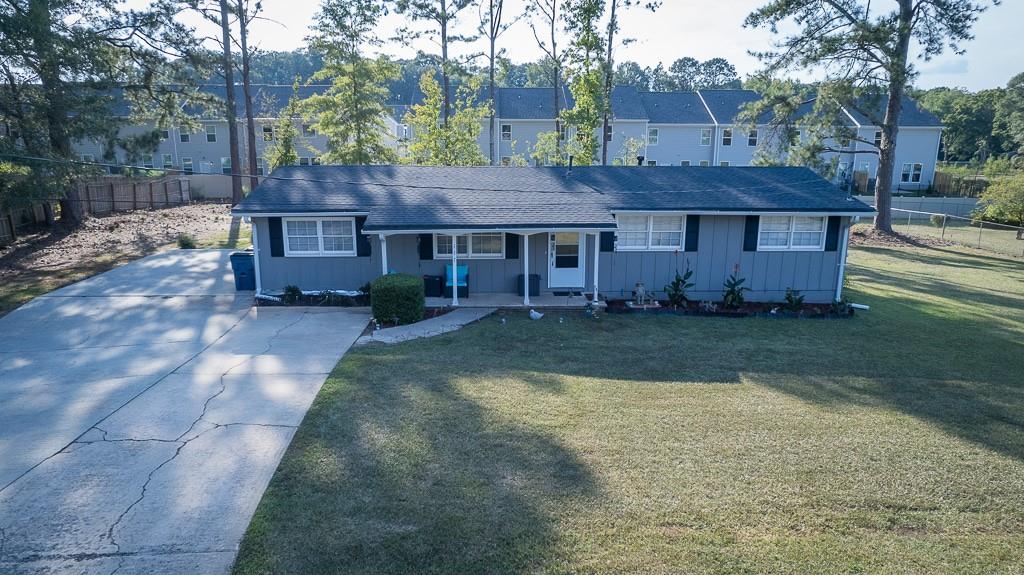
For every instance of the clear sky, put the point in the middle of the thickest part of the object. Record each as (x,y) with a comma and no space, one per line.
(699,28)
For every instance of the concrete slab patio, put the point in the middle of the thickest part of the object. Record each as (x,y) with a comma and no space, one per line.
(145,410)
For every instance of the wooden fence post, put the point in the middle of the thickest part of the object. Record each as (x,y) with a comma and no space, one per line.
(88,200)
(151,206)
(167,196)
(135,197)
(113,205)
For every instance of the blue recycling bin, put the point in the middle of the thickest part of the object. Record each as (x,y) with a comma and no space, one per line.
(245,271)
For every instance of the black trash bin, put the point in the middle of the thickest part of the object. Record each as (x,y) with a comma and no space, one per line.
(432,286)
(245,271)
(534,285)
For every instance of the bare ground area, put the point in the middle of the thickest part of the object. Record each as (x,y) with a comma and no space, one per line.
(865,235)
(49,258)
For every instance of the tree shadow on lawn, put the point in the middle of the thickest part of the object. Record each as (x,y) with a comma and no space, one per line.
(395,471)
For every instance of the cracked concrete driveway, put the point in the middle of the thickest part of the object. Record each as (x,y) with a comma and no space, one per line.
(143,412)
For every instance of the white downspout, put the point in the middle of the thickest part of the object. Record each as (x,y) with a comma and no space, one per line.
(526,270)
(842,260)
(256,257)
(597,258)
(384,254)
(455,270)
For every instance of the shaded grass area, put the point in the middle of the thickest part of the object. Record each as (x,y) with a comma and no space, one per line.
(237,237)
(993,237)
(892,442)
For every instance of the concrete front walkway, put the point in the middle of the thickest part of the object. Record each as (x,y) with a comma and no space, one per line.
(144,411)
(450,321)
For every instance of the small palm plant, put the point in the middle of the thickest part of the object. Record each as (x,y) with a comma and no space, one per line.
(676,291)
(732,298)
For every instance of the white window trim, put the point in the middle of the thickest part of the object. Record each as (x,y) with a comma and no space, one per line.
(320,253)
(700,137)
(789,247)
(756,137)
(502,133)
(724,136)
(469,255)
(650,231)
(724,164)
(211,130)
(684,162)
(910,173)
(657,136)
(704,163)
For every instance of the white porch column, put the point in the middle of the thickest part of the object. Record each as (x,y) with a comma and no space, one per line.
(597,258)
(526,269)
(384,254)
(455,270)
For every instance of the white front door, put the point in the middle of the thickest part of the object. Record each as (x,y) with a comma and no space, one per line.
(565,260)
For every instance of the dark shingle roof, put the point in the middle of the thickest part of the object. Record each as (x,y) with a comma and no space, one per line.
(530,103)
(627,104)
(421,197)
(912,114)
(726,104)
(675,108)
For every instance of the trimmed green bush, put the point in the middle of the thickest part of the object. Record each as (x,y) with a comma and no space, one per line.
(397,298)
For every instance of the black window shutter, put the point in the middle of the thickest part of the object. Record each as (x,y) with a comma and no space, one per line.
(276,238)
(607,241)
(426,246)
(511,246)
(832,233)
(692,232)
(362,240)
(750,233)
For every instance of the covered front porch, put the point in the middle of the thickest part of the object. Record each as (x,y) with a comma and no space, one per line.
(489,267)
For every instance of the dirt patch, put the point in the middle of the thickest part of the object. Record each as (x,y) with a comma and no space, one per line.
(45,259)
(870,237)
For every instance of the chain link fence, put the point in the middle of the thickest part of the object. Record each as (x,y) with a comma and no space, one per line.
(990,236)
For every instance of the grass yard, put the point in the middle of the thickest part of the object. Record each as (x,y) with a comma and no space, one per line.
(889,443)
(993,237)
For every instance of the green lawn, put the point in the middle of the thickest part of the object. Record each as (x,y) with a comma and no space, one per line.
(993,237)
(889,443)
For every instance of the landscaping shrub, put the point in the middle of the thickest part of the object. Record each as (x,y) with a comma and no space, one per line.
(676,291)
(937,220)
(794,300)
(732,297)
(397,298)
(292,294)
(186,242)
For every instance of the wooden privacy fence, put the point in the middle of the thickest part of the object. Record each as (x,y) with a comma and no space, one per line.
(14,218)
(947,184)
(109,195)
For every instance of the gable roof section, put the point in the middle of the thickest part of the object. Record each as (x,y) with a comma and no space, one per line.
(913,115)
(675,108)
(530,103)
(627,104)
(418,198)
(725,105)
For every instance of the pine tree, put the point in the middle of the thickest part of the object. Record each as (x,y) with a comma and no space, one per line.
(350,113)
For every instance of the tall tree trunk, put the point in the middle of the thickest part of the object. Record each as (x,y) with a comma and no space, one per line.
(609,74)
(444,60)
(250,120)
(494,104)
(52,86)
(229,81)
(555,74)
(891,123)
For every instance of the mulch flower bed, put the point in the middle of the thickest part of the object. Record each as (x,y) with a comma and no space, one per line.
(325,299)
(750,309)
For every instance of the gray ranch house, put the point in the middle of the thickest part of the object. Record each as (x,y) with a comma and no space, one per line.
(597,230)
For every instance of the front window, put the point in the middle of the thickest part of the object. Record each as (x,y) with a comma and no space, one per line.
(652,136)
(186,165)
(165,135)
(211,133)
(878,139)
(652,232)
(168,161)
(705,163)
(184,137)
(727,137)
(752,138)
(268,133)
(911,173)
(320,237)
(791,233)
(147,160)
(471,246)
(705,136)
(506,132)
(225,166)
(260,163)
(684,163)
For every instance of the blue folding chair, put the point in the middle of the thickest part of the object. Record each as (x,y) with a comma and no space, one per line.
(461,280)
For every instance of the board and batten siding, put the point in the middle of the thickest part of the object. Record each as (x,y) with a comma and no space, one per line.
(719,251)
